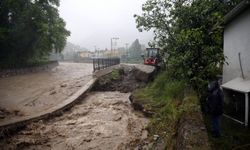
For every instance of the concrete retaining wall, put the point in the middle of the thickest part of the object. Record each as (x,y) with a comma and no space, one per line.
(10,126)
(13,72)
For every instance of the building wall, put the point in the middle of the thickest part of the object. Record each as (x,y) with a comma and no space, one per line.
(237,39)
(85,54)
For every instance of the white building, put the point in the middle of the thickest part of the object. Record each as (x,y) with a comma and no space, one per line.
(236,73)
(237,40)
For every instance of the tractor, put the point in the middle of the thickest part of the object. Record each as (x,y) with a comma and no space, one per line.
(152,58)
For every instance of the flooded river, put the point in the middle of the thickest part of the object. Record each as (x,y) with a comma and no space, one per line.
(102,120)
(29,94)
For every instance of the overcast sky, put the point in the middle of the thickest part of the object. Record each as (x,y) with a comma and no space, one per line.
(94,22)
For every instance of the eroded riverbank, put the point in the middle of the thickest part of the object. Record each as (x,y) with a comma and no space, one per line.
(103,120)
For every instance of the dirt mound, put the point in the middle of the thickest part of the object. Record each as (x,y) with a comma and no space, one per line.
(125,79)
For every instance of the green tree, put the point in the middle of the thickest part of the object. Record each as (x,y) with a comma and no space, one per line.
(29,31)
(190,35)
(135,48)
(135,51)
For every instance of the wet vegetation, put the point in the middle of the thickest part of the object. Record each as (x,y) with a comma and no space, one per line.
(167,98)
(190,36)
(116,74)
(30,31)
(119,80)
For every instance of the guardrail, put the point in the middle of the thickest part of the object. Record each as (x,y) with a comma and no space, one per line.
(102,63)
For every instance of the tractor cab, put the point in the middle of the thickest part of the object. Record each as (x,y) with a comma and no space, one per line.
(152,57)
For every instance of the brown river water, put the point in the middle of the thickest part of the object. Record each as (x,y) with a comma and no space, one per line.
(102,120)
(33,93)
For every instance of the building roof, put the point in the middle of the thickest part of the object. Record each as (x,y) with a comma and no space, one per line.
(241,7)
(238,84)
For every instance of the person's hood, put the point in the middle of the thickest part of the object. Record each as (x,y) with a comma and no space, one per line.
(213,86)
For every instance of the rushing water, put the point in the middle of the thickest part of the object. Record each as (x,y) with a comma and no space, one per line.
(103,120)
(36,92)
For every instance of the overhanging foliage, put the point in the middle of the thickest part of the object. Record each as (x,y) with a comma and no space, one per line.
(29,31)
(190,34)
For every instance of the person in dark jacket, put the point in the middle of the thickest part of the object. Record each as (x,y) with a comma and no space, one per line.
(215,106)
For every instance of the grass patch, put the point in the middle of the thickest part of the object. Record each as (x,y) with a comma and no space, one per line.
(161,92)
(168,98)
(116,74)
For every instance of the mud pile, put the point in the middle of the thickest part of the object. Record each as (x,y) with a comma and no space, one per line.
(124,79)
(103,120)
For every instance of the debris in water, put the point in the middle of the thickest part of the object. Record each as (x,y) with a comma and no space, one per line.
(156,137)
(103,120)
(53,92)
(63,85)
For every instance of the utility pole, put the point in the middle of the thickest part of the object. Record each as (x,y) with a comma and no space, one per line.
(126,51)
(113,38)
(98,52)
(95,51)
(111,45)
(127,46)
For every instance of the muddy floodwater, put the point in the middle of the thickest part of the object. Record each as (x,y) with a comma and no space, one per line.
(32,93)
(102,120)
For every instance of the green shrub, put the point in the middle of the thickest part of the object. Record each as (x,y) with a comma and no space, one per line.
(116,74)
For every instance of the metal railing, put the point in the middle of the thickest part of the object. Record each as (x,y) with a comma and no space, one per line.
(102,63)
